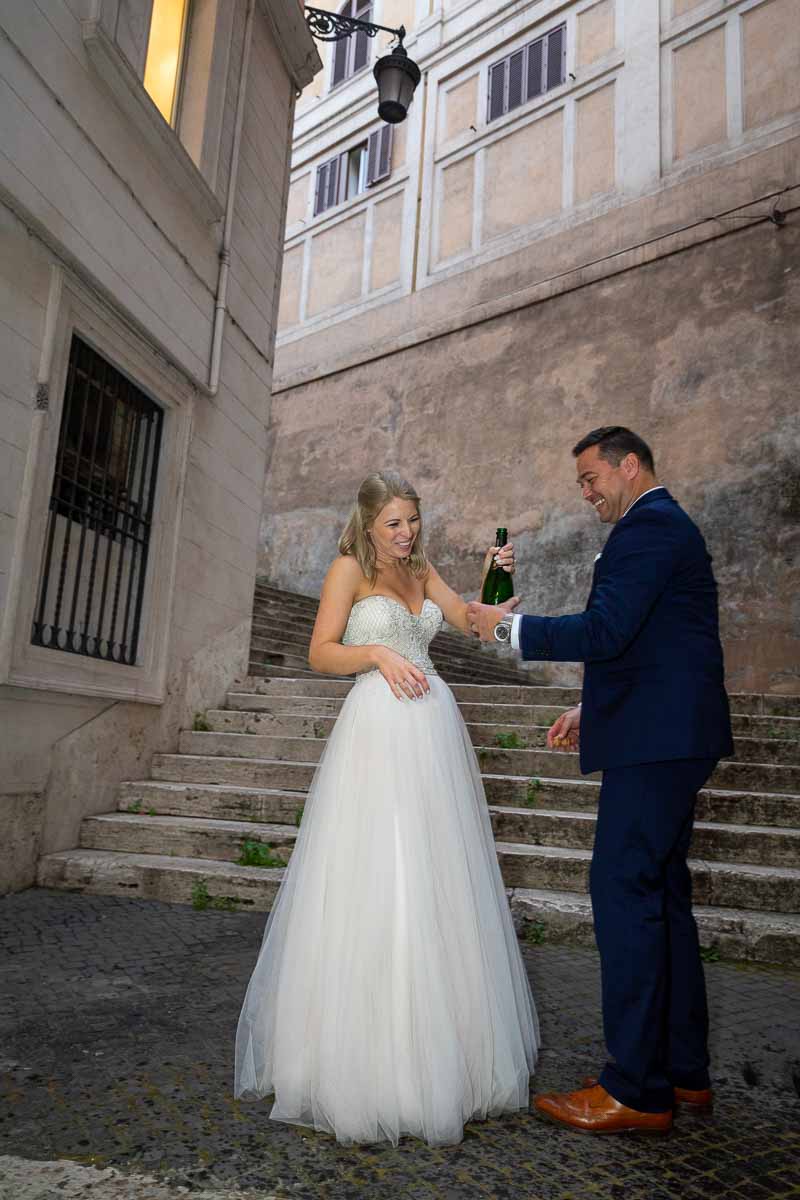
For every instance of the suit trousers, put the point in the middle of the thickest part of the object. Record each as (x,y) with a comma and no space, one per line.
(655,1014)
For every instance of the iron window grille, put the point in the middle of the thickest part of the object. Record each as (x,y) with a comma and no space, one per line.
(352,53)
(91,587)
(354,170)
(528,73)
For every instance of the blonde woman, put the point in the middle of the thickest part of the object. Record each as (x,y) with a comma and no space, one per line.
(389,996)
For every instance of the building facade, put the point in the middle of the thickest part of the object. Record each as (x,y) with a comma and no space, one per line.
(589,217)
(144,170)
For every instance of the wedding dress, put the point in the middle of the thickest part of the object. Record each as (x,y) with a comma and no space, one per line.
(389,996)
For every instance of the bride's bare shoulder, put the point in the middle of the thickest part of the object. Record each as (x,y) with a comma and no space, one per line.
(344,576)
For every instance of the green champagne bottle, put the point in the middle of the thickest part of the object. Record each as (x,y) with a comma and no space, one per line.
(498,586)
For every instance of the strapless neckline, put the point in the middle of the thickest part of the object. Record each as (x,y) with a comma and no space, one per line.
(399,603)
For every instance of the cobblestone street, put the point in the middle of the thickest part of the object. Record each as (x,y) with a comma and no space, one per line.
(117,1027)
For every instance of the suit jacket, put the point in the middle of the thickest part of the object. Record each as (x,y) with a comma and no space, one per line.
(653,686)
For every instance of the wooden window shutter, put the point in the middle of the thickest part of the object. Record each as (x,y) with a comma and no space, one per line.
(332,196)
(339,62)
(361,53)
(497,87)
(322,188)
(535,56)
(379,155)
(516,79)
(556,57)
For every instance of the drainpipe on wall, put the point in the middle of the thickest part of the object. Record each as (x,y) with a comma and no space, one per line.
(221,302)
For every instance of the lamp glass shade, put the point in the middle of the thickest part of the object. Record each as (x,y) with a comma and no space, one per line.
(397,77)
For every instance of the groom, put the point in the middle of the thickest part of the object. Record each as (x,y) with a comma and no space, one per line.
(654,717)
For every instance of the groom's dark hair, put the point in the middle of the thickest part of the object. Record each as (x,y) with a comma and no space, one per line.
(614,442)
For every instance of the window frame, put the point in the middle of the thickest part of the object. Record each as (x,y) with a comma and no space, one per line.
(72,309)
(174,119)
(502,68)
(378,145)
(346,50)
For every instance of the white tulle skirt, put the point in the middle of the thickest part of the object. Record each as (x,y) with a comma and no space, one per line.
(389,996)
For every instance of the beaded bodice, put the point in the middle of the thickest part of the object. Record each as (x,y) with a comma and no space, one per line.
(381,621)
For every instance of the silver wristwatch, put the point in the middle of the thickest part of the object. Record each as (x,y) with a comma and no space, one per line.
(502,630)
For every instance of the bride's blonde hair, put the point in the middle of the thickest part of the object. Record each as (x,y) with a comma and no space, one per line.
(374,494)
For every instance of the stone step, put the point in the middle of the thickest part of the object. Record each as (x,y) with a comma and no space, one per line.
(494,694)
(254,746)
(581,795)
(743,934)
(160,877)
(212,835)
(482,734)
(296,628)
(557,764)
(542,868)
(783,728)
(253,692)
(476,668)
(764,704)
(719,884)
(730,774)
(280,802)
(289,665)
(270,671)
(236,772)
(761,845)
(185,837)
(322,706)
(271,806)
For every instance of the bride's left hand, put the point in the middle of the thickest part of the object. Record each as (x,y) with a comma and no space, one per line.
(504,557)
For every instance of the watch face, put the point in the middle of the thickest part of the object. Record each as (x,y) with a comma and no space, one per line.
(502,632)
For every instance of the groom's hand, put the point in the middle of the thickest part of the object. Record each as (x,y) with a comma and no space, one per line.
(482,618)
(565,732)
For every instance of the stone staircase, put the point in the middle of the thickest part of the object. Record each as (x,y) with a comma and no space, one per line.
(233,796)
(282,624)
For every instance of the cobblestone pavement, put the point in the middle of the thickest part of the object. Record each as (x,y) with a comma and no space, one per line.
(117,1021)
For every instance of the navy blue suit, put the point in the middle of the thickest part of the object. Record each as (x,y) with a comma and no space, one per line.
(655,719)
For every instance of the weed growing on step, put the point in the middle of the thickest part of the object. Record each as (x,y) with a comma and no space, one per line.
(509,741)
(200,724)
(202,900)
(710,953)
(783,732)
(136,807)
(319,729)
(151,812)
(534,932)
(532,792)
(298,816)
(259,854)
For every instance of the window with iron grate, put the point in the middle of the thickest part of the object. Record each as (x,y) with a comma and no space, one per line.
(92,579)
(353,171)
(527,73)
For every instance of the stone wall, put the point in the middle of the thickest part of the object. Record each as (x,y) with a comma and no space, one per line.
(697,350)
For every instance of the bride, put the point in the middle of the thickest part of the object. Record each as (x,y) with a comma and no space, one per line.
(389,996)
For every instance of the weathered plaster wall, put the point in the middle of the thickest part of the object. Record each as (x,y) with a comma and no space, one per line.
(698,351)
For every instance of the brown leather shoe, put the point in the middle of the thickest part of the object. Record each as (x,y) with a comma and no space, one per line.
(701,1099)
(593,1110)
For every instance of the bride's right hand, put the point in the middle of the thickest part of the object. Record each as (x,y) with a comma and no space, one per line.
(405,680)
(565,732)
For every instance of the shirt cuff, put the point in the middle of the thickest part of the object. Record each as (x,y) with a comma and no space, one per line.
(515,630)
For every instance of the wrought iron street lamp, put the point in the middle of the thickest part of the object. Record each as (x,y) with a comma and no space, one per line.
(395,73)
